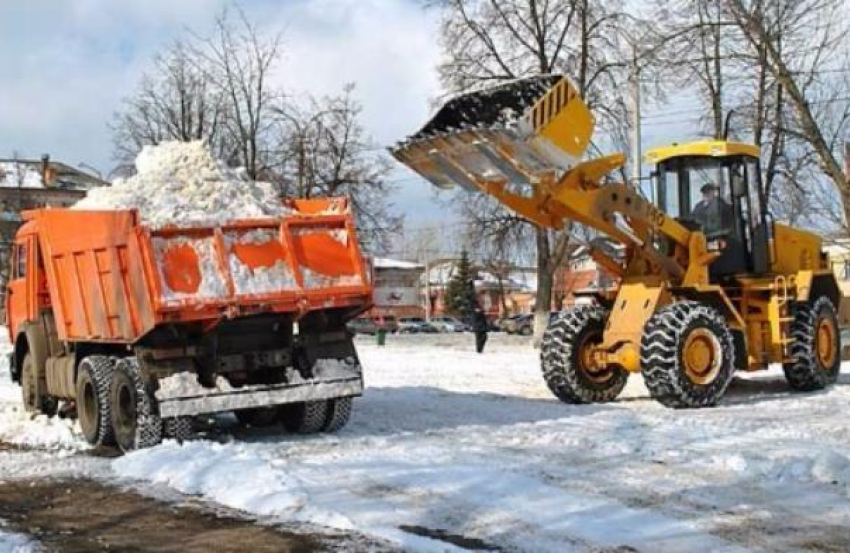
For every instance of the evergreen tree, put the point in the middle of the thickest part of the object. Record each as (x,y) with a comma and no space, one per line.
(460,293)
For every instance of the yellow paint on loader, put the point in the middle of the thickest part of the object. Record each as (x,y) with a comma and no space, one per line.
(694,303)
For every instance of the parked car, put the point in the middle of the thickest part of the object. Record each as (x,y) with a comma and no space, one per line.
(415,325)
(362,325)
(524,324)
(501,324)
(521,324)
(444,323)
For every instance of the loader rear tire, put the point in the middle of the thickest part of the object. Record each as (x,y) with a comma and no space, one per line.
(565,363)
(816,347)
(259,417)
(93,407)
(135,422)
(687,355)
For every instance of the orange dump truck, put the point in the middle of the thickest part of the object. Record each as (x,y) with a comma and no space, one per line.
(138,330)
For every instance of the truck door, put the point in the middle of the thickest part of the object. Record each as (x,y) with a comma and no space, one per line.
(17,301)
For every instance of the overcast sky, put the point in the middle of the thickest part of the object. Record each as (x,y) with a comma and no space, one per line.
(67,64)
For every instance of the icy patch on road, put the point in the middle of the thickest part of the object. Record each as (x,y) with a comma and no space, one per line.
(181,183)
(11,542)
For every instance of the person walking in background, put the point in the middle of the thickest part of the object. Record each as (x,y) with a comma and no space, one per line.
(479,327)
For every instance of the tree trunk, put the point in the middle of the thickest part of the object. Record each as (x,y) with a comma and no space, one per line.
(543,297)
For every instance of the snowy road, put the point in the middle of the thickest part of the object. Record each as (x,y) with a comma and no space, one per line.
(449,449)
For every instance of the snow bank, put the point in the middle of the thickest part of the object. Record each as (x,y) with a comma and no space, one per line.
(16,543)
(20,428)
(181,183)
(17,427)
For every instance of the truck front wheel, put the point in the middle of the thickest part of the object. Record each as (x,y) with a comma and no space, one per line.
(34,399)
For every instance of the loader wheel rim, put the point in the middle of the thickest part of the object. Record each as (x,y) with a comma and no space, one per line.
(585,359)
(702,356)
(826,343)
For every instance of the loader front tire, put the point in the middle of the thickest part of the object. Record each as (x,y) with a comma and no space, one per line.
(815,347)
(93,407)
(306,417)
(687,355)
(565,360)
(135,422)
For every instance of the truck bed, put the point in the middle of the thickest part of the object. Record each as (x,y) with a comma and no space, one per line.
(112,279)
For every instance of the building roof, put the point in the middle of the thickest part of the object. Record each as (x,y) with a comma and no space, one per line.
(386,263)
(29,173)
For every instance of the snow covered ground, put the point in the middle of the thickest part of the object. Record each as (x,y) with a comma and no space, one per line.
(449,447)
(16,543)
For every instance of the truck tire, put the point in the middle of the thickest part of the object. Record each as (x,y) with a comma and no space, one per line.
(135,423)
(94,375)
(35,401)
(339,411)
(178,428)
(304,417)
(259,417)
(687,355)
(815,347)
(564,364)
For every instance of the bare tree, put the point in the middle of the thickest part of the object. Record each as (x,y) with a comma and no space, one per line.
(240,60)
(175,100)
(804,47)
(324,151)
(488,41)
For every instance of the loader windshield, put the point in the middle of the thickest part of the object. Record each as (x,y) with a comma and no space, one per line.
(697,190)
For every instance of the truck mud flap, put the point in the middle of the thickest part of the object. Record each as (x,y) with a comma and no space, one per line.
(260,396)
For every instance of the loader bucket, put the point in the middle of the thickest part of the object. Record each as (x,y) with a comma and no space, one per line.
(515,133)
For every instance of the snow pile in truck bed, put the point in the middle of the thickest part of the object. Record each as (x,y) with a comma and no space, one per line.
(181,183)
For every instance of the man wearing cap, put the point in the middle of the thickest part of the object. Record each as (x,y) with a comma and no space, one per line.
(713,213)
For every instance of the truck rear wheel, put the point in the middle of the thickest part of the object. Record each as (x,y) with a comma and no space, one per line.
(135,423)
(258,418)
(565,359)
(304,417)
(687,355)
(93,407)
(33,395)
(816,347)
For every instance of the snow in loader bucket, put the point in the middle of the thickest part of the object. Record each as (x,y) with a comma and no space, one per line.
(514,133)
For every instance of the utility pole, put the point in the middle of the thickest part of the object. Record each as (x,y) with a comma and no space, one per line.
(635,109)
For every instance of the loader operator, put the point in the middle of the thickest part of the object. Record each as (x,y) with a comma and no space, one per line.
(713,213)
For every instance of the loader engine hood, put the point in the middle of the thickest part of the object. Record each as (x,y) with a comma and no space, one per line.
(514,133)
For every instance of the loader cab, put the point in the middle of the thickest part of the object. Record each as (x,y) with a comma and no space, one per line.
(715,187)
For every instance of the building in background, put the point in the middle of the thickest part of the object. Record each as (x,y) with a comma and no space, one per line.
(29,184)
(397,288)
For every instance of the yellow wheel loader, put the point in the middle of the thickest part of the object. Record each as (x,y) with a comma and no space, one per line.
(708,283)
